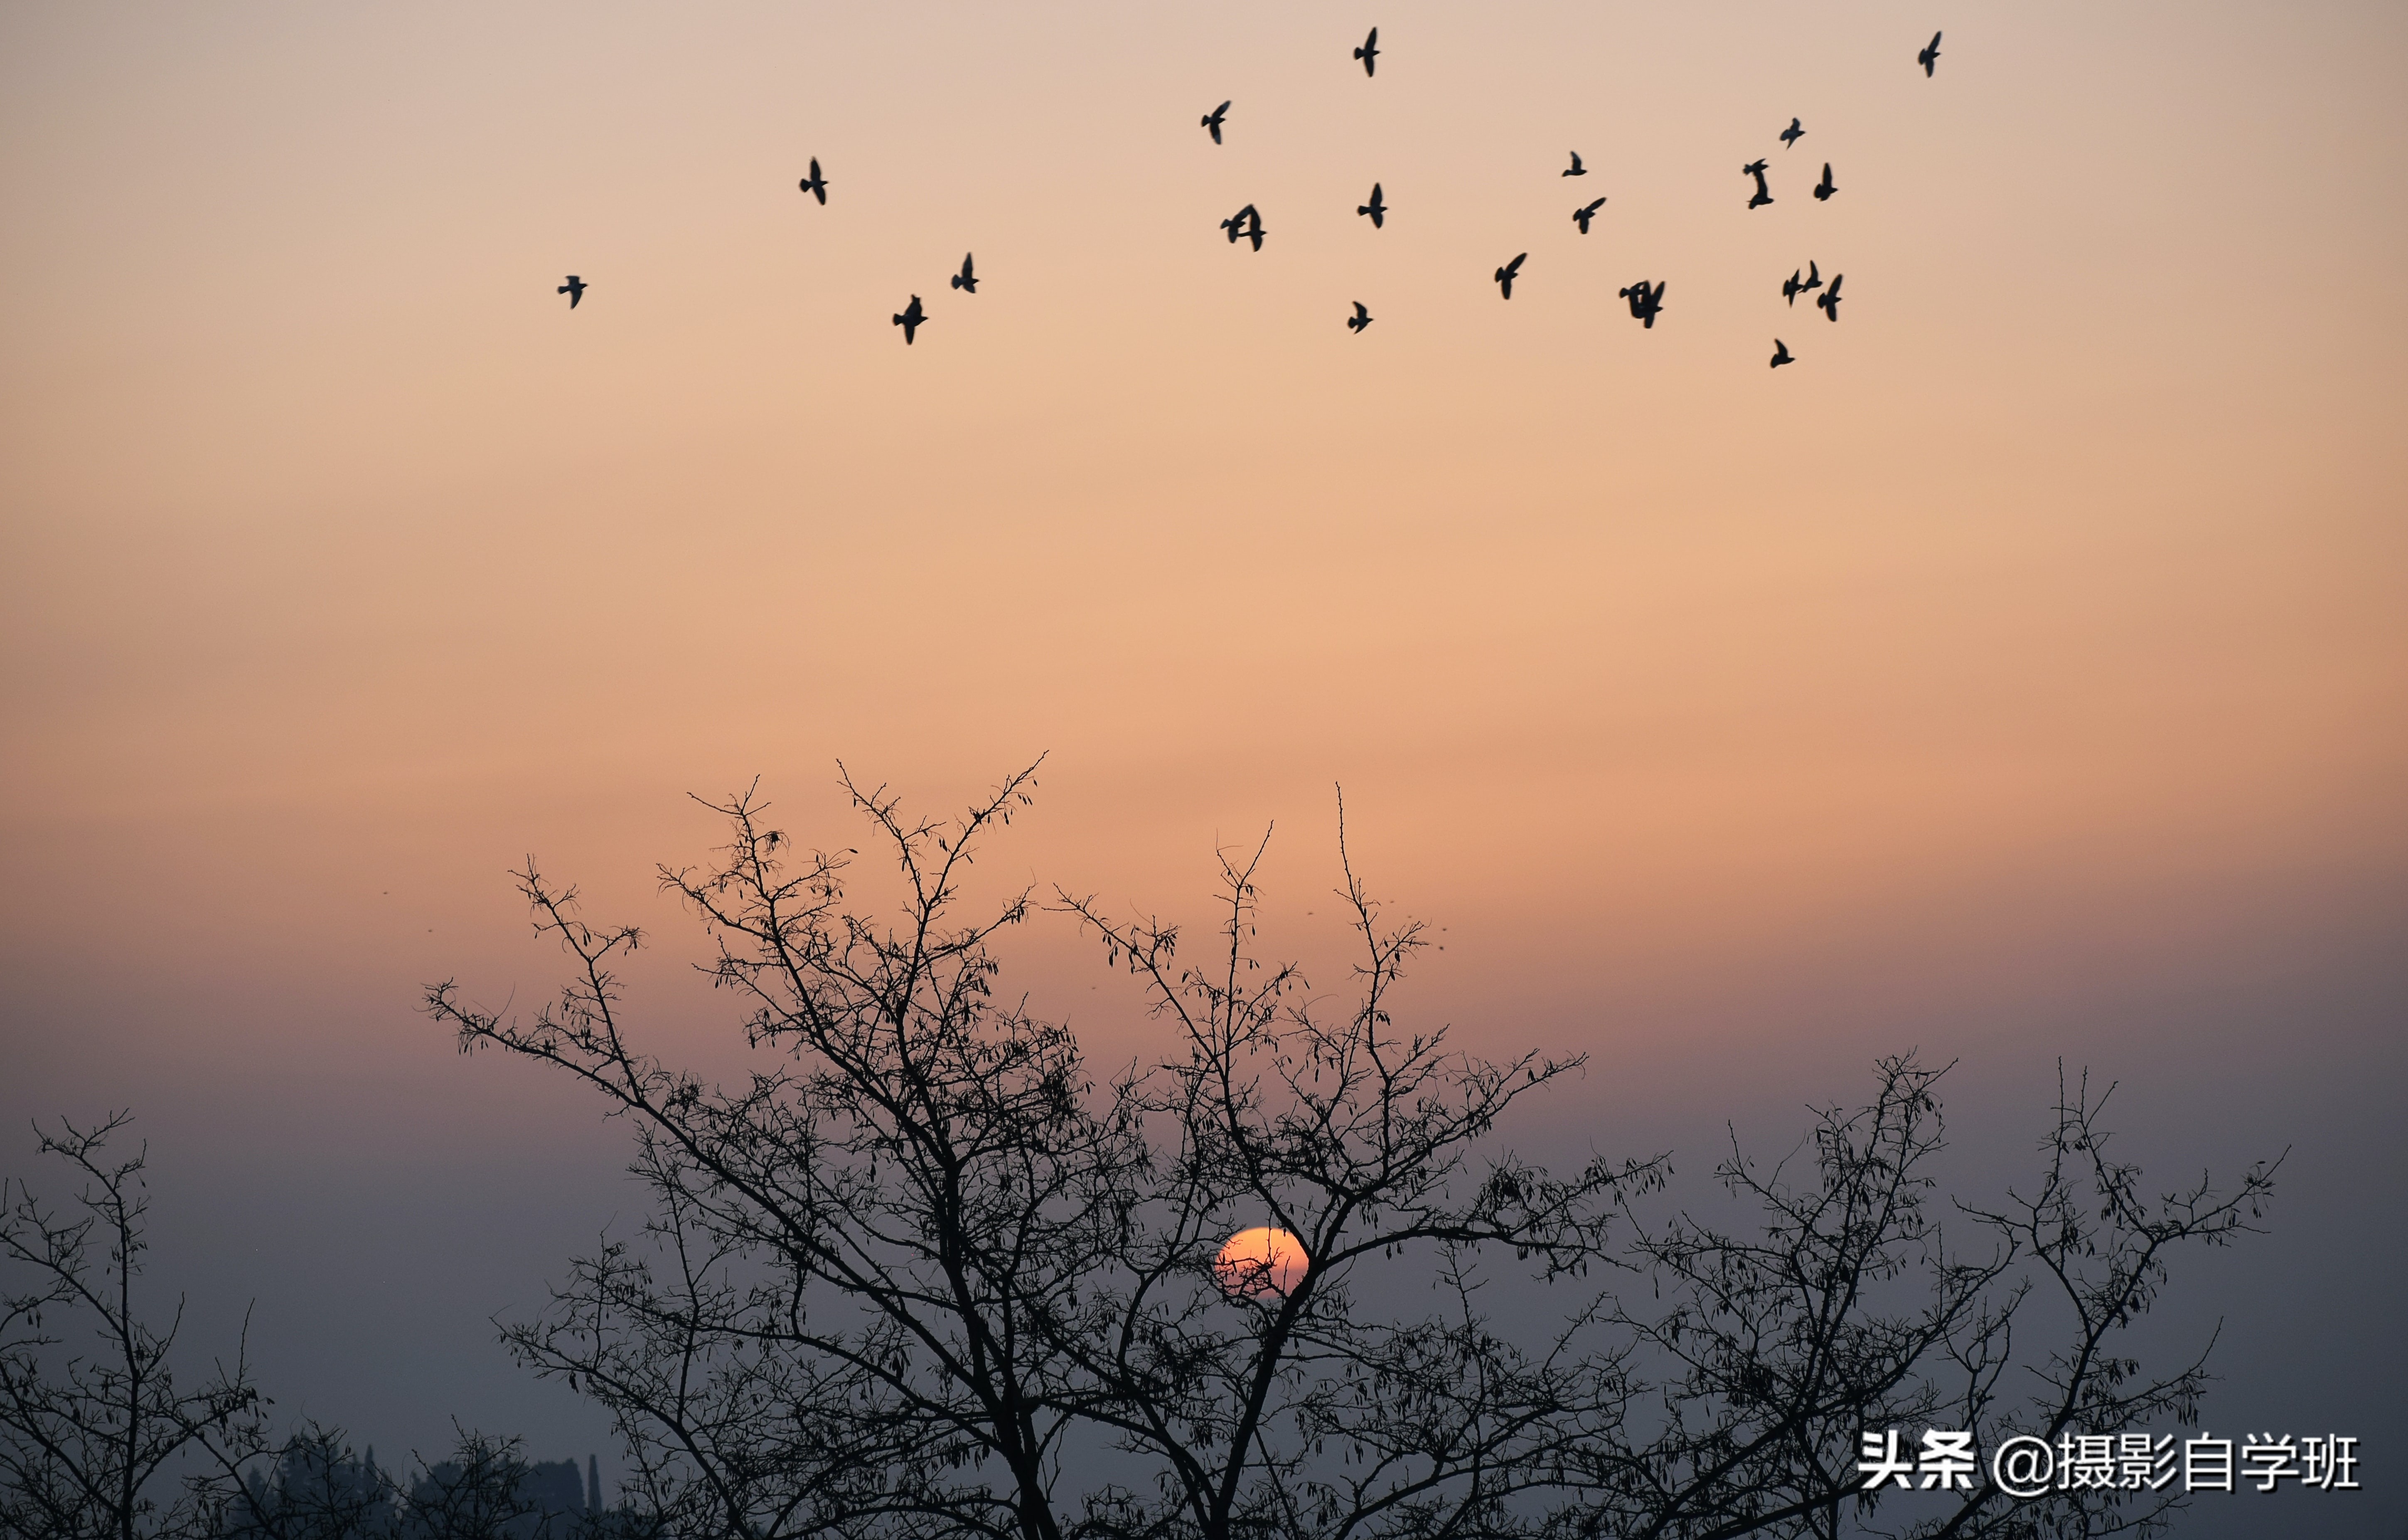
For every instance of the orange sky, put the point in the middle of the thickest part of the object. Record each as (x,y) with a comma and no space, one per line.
(2037,638)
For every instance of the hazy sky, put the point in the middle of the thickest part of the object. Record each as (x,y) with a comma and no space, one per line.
(2022,674)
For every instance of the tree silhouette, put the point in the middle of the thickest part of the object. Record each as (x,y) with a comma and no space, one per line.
(318,1487)
(94,1413)
(927,1273)
(104,1436)
(315,1488)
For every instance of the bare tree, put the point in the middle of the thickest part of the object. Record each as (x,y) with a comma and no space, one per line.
(316,1487)
(92,1412)
(479,1493)
(1364,1143)
(924,1273)
(879,1243)
(1765,1357)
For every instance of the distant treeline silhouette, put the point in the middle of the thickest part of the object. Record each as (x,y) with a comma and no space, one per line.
(317,1488)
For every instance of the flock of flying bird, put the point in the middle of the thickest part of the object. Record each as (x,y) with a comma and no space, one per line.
(1646,300)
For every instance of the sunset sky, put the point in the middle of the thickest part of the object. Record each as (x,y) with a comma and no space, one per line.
(2021,675)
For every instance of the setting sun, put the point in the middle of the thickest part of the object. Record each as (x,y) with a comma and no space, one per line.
(1261,1260)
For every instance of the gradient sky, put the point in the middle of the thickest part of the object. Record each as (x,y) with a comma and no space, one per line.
(2023,674)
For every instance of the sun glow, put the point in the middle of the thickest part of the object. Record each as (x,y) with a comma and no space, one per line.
(1261,1260)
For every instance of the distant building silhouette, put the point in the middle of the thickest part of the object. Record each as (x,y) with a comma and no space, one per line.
(316,1488)
(555,1487)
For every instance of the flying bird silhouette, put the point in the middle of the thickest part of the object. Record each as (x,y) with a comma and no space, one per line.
(1824,189)
(1791,288)
(1375,209)
(1578,170)
(1236,224)
(911,319)
(1763,193)
(1929,57)
(966,279)
(1360,319)
(1829,303)
(1780,354)
(575,289)
(1581,216)
(1212,121)
(1369,51)
(1506,275)
(1791,134)
(1644,302)
(815,184)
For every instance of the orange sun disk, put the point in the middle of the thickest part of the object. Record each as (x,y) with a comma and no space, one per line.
(1261,1260)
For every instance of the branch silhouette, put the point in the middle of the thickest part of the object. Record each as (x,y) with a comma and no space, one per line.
(923,1271)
